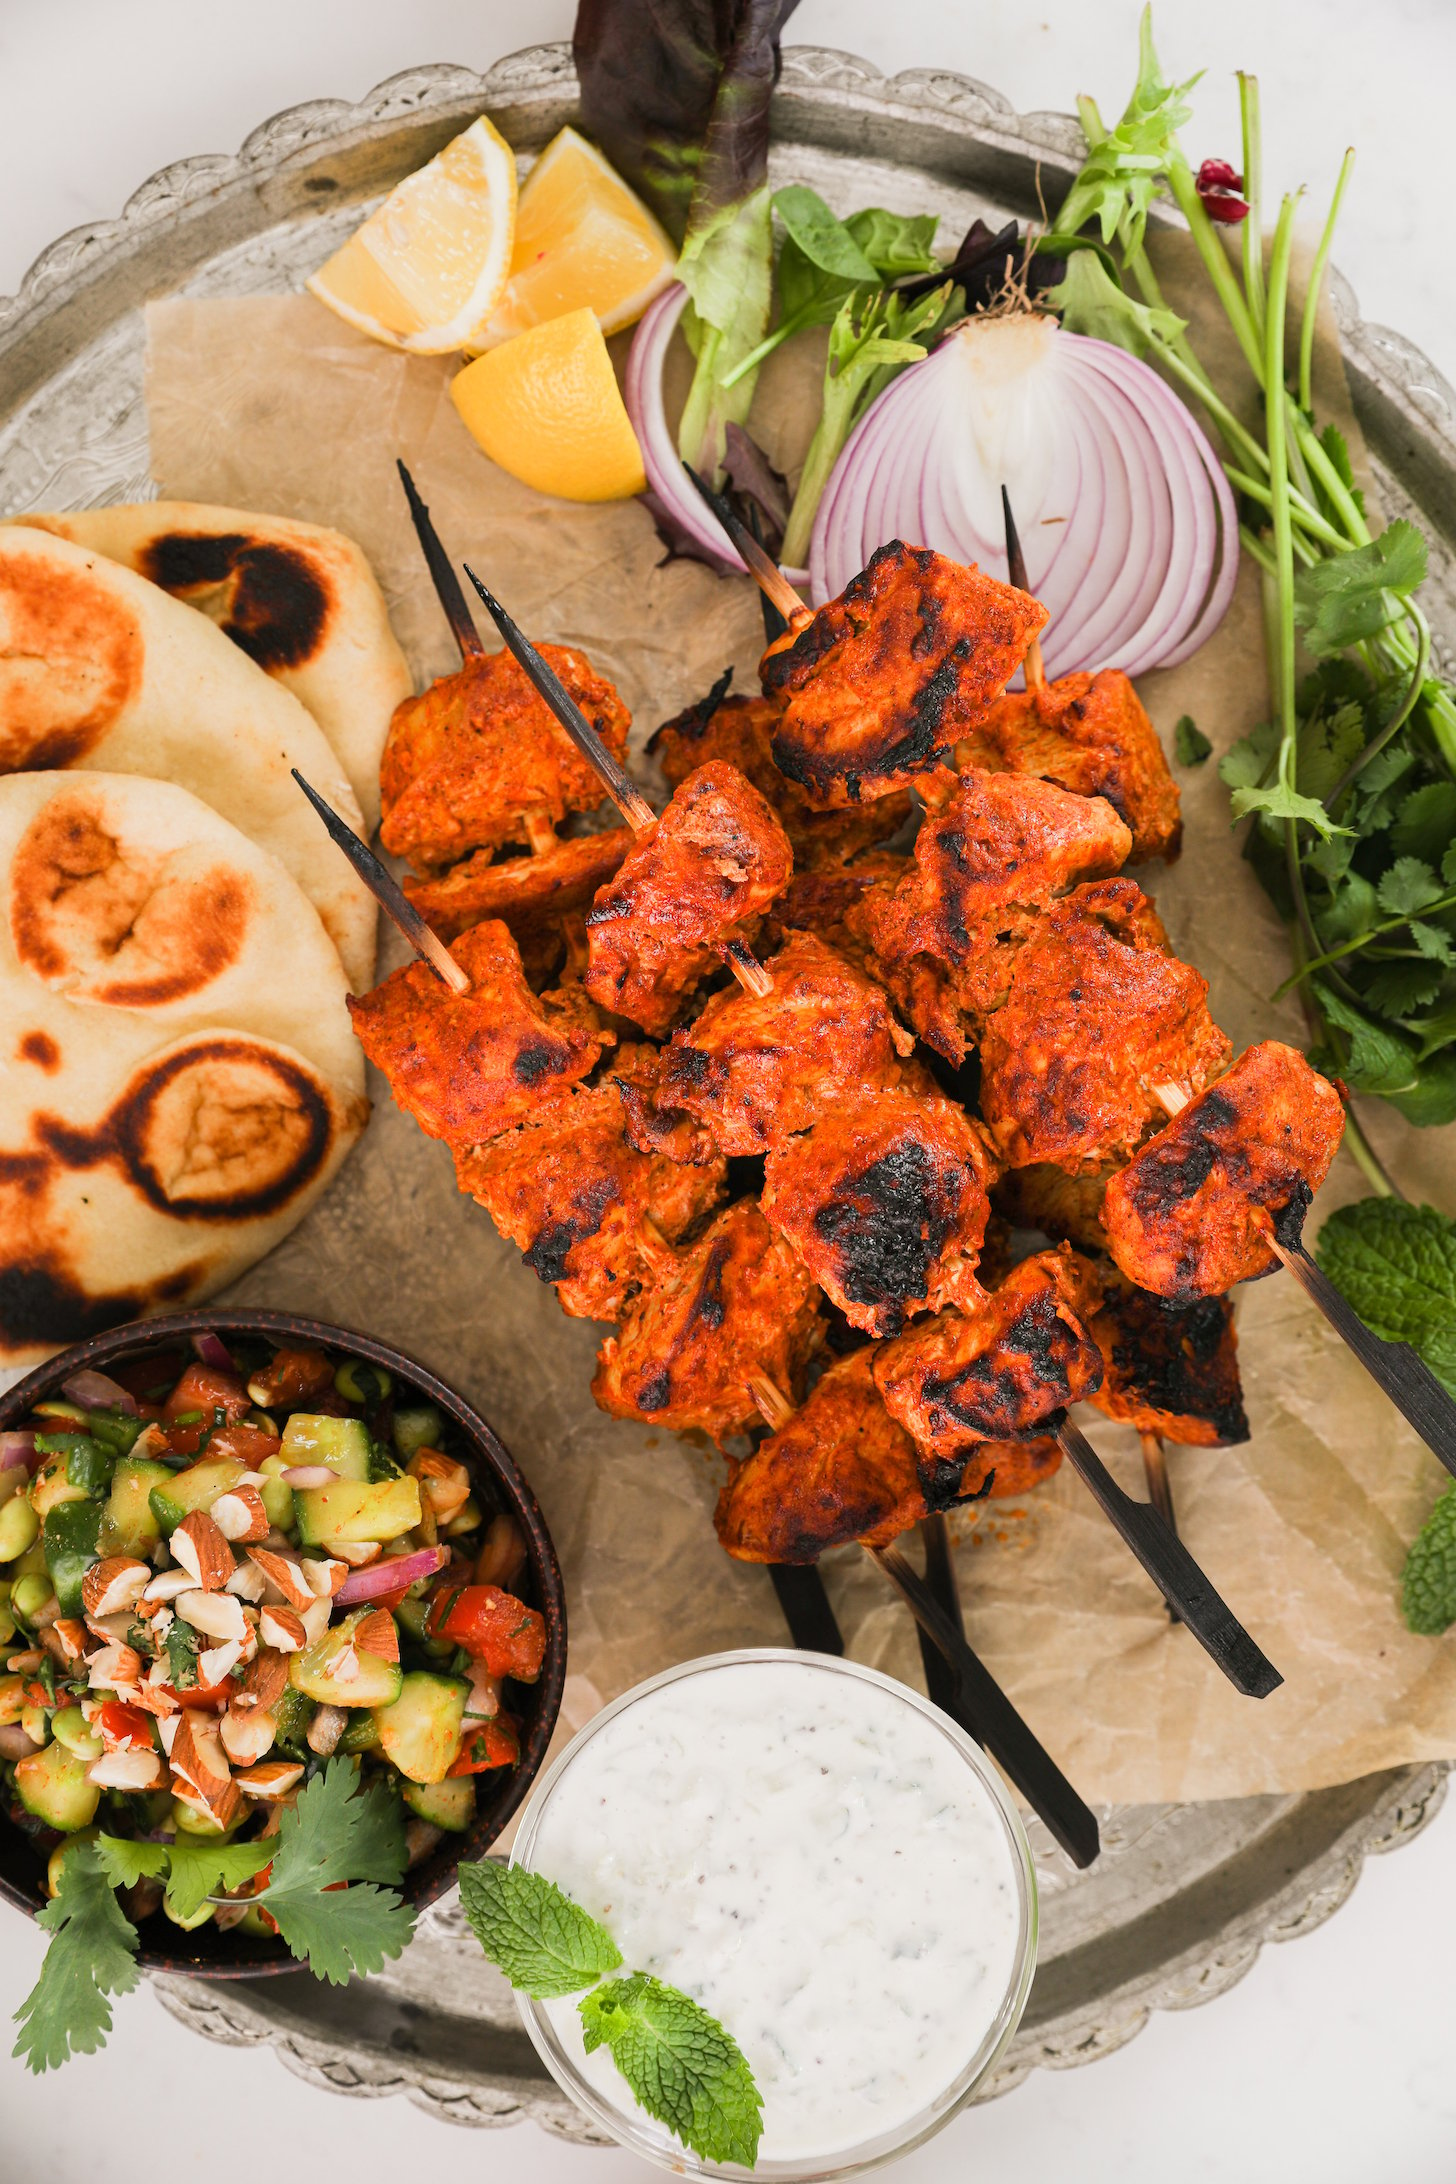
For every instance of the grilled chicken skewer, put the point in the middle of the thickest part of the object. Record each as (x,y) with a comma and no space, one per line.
(388,893)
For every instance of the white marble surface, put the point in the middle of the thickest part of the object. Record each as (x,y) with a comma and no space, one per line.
(1332,2059)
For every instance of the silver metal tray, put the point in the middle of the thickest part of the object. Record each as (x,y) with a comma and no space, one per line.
(1183,1896)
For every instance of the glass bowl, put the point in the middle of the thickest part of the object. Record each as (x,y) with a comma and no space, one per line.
(641,2133)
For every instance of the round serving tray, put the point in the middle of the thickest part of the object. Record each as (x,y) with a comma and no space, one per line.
(1183,1896)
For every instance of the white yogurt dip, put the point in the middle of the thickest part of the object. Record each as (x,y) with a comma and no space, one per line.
(823,1862)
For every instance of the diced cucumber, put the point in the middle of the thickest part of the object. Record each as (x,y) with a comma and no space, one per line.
(421,1731)
(277,1494)
(188,1820)
(130,1526)
(351,1511)
(53,1485)
(52,1784)
(342,1443)
(313,1671)
(199,1917)
(443,1804)
(291,1717)
(361,1735)
(198,1487)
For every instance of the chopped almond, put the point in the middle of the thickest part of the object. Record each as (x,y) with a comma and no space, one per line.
(324,1575)
(135,1769)
(315,1618)
(281,1627)
(358,1553)
(285,1572)
(247,1734)
(199,1759)
(216,1662)
(65,1640)
(113,1668)
(201,1548)
(248,1583)
(377,1634)
(267,1679)
(166,1585)
(444,1483)
(272,1780)
(113,1585)
(240,1515)
(326,1728)
(217,1614)
(153,1699)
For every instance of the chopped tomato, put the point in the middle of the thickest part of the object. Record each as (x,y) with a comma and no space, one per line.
(293,1379)
(494,1627)
(202,1388)
(250,1443)
(150,1378)
(214,1696)
(488,1744)
(121,1727)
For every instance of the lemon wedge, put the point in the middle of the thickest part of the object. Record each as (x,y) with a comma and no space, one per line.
(584,241)
(426,271)
(545,406)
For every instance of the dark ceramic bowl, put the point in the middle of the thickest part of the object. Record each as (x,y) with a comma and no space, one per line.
(205,1953)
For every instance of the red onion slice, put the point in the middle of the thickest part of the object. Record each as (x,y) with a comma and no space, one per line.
(93,1391)
(212,1350)
(390,1575)
(306,1475)
(17,1449)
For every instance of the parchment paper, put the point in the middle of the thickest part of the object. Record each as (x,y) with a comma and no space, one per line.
(273,404)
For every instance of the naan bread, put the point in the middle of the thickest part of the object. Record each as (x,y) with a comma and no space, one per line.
(178,1076)
(99,668)
(300,601)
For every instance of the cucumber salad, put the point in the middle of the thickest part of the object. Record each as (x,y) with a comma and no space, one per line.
(223,1574)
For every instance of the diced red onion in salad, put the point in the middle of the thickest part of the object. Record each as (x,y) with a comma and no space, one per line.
(306,1475)
(94,1391)
(212,1350)
(666,477)
(1126,519)
(17,1449)
(390,1575)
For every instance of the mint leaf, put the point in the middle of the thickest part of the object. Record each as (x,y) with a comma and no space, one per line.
(1396,1264)
(683,2068)
(544,1943)
(1190,745)
(1342,601)
(337,1832)
(1428,1581)
(92,1954)
(1379,1060)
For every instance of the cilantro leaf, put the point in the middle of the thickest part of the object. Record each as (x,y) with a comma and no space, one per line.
(1190,745)
(92,1955)
(1428,1581)
(682,2066)
(1089,301)
(1248,763)
(1343,601)
(1281,802)
(1397,989)
(1408,886)
(125,1862)
(182,1647)
(203,1869)
(1425,825)
(1396,1264)
(339,1832)
(1332,440)
(1379,1060)
(544,1943)
(1430,1103)
(1433,941)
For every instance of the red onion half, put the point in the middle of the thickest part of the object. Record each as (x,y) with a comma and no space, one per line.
(93,1391)
(389,1576)
(17,1449)
(666,478)
(1126,519)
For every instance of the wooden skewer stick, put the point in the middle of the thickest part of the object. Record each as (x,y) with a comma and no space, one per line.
(774,623)
(623,791)
(761,566)
(442,573)
(1155,1466)
(387,892)
(1032,666)
(977,1701)
(1174,1571)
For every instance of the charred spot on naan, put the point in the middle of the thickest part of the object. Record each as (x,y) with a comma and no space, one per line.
(274,601)
(41,1049)
(43,1301)
(71,657)
(222,1129)
(113,924)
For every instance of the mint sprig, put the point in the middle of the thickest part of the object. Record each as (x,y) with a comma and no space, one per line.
(681,2065)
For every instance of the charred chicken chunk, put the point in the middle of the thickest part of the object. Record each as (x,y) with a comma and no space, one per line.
(1003,1372)
(526,893)
(740,731)
(737,1303)
(1090,733)
(892,672)
(1102,1024)
(714,860)
(592,1216)
(1191,1215)
(468,1066)
(478,754)
(886,1204)
(1171,1369)
(757,1069)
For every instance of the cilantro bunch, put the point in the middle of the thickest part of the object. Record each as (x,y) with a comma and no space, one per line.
(335,1833)
(680,2064)
(1350,787)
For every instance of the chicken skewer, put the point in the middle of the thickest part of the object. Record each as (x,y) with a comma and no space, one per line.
(975,1699)
(388,893)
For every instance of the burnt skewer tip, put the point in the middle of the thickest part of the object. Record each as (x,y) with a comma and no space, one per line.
(623,791)
(442,572)
(387,892)
(759,564)
(1032,666)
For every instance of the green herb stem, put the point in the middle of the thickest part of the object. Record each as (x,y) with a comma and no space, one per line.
(1394,924)
(1253,233)
(1284,689)
(1316,283)
(1367,1160)
(1220,272)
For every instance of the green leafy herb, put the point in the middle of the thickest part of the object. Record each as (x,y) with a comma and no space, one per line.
(1341,602)
(1190,745)
(182,1650)
(682,2066)
(824,260)
(1396,1264)
(70,1535)
(1091,302)
(336,1832)
(91,1955)
(1428,1582)
(544,1943)
(192,1871)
